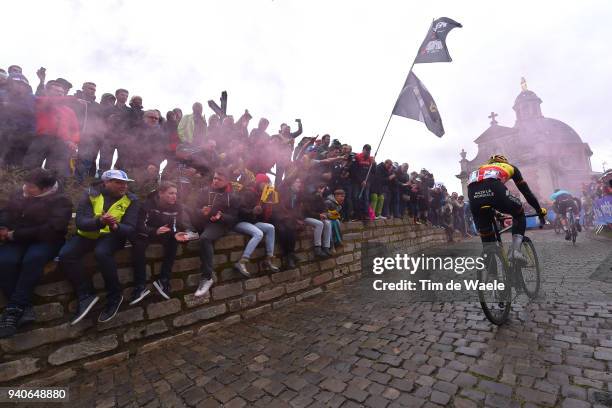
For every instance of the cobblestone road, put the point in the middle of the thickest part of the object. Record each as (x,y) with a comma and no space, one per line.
(351,348)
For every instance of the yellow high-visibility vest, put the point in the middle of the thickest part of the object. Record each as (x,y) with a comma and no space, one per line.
(117,210)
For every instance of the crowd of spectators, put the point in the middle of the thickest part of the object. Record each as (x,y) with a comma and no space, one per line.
(149,178)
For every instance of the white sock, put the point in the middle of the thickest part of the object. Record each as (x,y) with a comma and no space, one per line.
(517,240)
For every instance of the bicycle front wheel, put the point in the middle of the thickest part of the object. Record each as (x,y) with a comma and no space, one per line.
(530,273)
(495,303)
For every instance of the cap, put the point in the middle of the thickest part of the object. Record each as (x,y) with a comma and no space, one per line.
(115,175)
(64,83)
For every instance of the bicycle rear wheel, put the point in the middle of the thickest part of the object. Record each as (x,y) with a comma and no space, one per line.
(495,303)
(530,273)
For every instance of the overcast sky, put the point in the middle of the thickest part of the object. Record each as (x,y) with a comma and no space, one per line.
(337,65)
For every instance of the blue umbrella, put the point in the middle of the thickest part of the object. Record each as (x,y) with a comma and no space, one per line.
(558,193)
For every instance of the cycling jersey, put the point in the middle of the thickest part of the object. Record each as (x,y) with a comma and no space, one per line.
(497,171)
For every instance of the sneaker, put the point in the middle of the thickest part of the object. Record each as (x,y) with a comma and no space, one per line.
(110,310)
(28,317)
(84,307)
(290,262)
(240,266)
(203,287)
(9,320)
(518,257)
(327,252)
(267,263)
(318,253)
(139,293)
(381,217)
(163,287)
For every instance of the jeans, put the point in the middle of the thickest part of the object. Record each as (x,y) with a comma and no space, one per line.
(257,231)
(104,248)
(211,233)
(56,152)
(139,247)
(21,267)
(322,231)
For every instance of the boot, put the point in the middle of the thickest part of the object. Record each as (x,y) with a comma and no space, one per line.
(267,263)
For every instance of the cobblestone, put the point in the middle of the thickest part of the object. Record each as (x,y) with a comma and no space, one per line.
(350,347)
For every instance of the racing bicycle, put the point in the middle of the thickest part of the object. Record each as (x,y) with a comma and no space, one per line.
(516,278)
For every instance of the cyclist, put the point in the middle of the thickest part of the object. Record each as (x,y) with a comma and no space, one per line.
(563,201)
(486,187)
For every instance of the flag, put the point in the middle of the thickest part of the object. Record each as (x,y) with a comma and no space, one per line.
(415,102)
(434,48)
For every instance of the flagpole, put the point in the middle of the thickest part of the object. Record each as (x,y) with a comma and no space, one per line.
(383,136)
(389,121)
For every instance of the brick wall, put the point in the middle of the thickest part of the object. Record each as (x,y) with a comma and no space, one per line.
(51,351)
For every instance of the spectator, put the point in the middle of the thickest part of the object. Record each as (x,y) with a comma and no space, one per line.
(334,204)
(259,141)
(192,127)
(32,229)
(284,142)
(116,121)
(290,219)
(255,223)
(217,214)
(360,186)
(161,219)
(17,119)
(322,149)
(93,131)
(315,212)
(57,131)
(144,163)
(399,191)
(380,187)
(105,218)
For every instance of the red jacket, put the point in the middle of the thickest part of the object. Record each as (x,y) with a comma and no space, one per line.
(54,118)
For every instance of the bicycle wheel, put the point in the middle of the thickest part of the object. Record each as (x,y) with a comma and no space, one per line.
(530,273)
(495,303)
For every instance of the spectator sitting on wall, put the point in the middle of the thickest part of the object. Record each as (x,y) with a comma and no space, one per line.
(161,219)
(105,218)
(315,212)
(217,212)
(32,229)
(255,223)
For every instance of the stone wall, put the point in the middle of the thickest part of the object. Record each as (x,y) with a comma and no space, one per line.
(51,351)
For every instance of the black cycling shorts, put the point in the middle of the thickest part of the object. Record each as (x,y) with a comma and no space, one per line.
(563,207)
(493,193)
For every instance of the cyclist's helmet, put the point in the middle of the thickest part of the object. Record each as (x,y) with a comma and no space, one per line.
(498,158)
